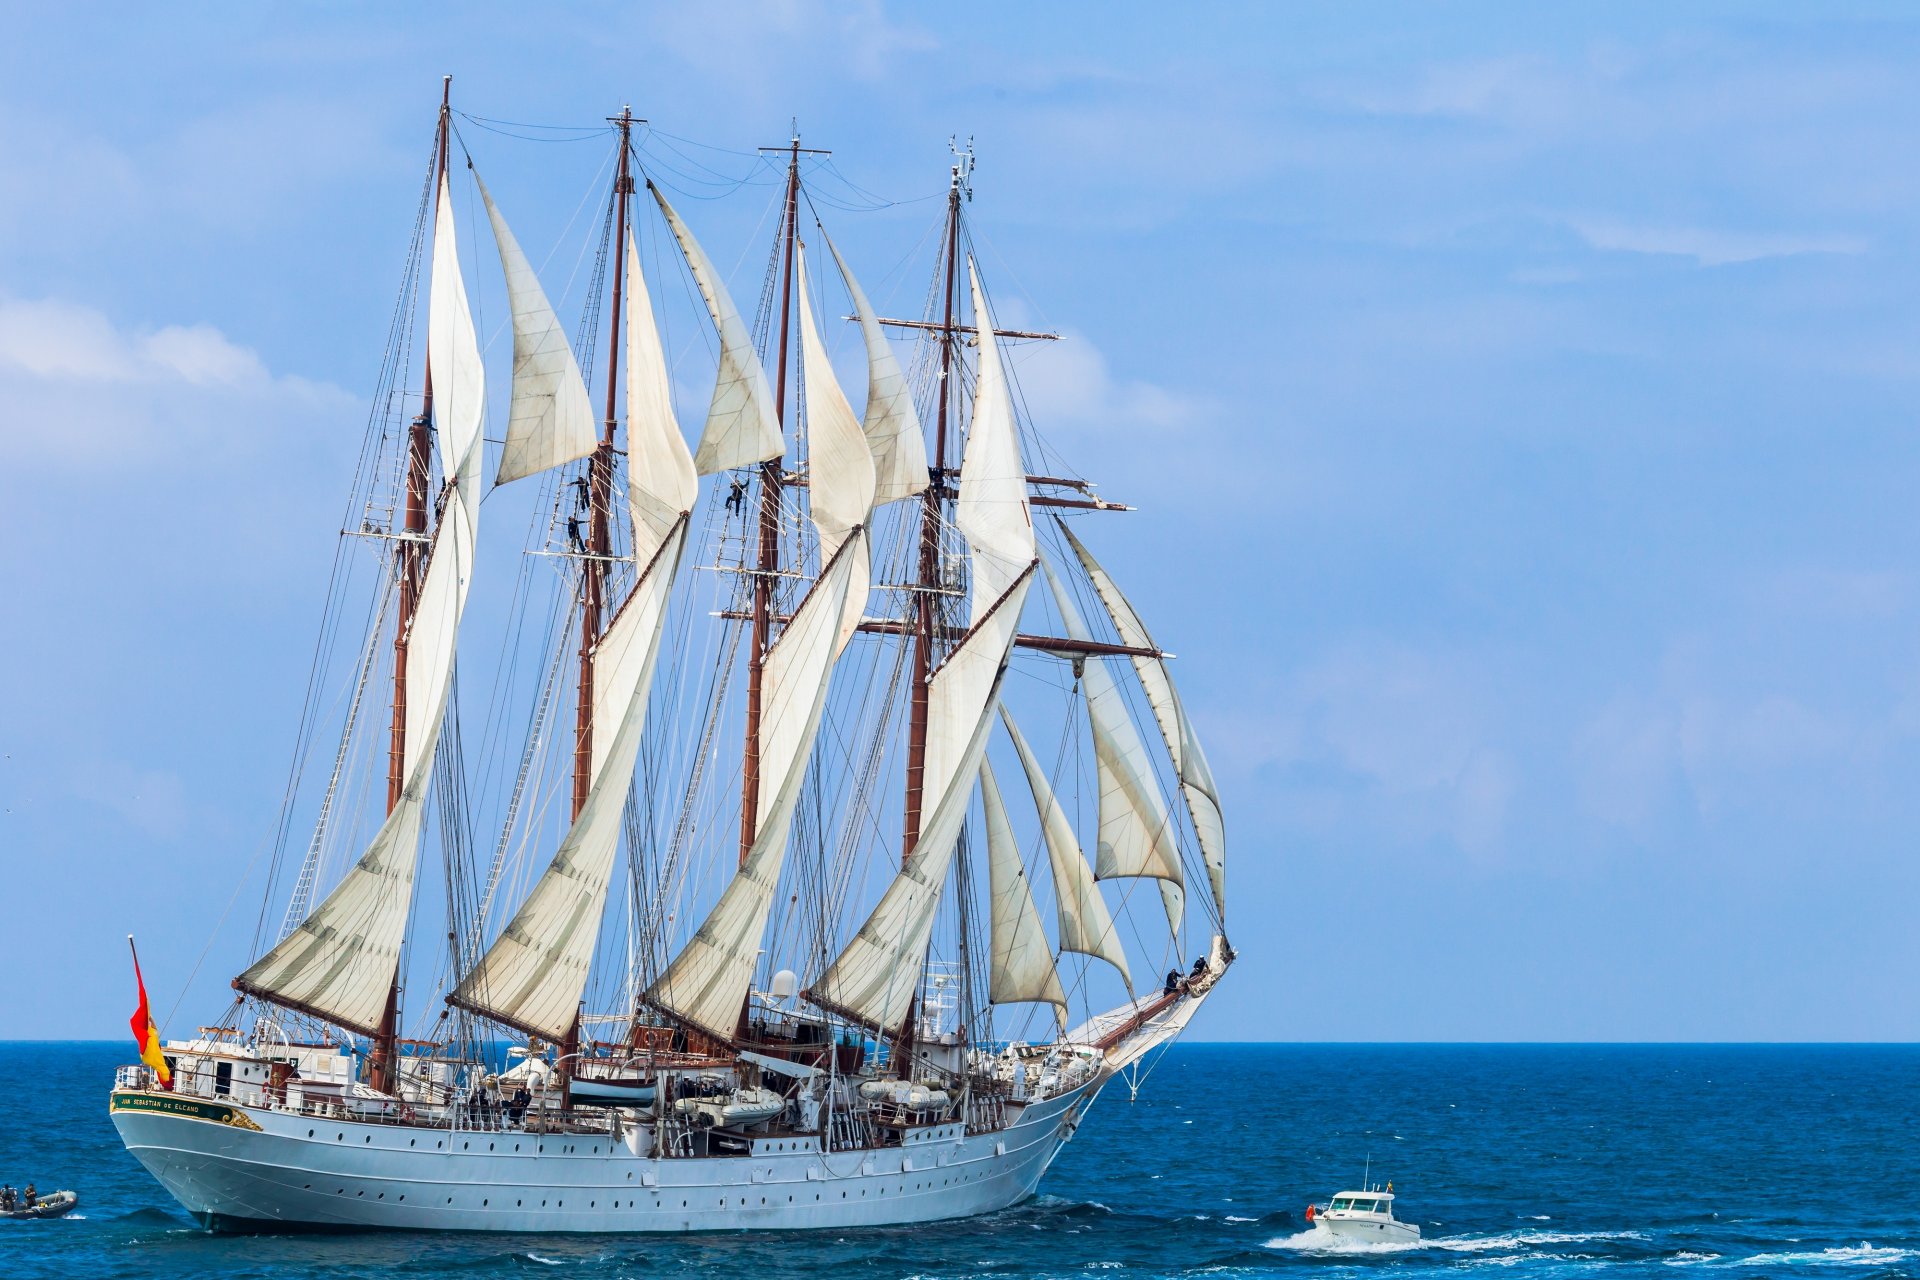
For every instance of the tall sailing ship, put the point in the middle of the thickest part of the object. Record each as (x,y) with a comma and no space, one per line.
(760,953)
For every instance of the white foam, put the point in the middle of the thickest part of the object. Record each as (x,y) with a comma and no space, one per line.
(1314,1241)
(1859,1255)
(1311,1241)
(1687,1257)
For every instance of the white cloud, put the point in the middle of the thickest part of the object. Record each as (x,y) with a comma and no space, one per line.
(1824,592)
(766,41)
(1638,755)
(1413,729)
(76,385)
(1071,383)
(1710,247)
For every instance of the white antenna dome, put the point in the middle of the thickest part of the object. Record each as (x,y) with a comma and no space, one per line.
(785,983)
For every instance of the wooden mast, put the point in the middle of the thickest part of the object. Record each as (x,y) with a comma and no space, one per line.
(599,488)
(937,492)
(411,552)
(599,539)
(768,561)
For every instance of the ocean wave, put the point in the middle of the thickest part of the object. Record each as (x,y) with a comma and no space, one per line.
(1688,1257)
(1312,1241)
(1857,1255)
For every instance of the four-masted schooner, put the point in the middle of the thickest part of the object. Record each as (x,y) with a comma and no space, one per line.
(830,1009)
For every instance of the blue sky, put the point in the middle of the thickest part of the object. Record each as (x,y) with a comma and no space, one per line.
(1520,402)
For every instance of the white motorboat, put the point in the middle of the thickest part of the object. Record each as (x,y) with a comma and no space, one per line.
(1364,1217)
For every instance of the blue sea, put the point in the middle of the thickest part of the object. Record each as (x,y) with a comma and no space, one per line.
(1524,1161)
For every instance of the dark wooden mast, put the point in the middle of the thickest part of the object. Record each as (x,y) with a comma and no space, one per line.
(767,563)
(382,1067)
(600,487)
(593,588)
(937,493)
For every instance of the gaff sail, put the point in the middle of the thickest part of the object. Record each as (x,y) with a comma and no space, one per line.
(874,978)
(340,963)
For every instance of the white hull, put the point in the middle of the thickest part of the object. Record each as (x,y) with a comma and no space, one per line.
(282,1169)
(1366,1231)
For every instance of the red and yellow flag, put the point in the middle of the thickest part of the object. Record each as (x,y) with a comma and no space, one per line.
(145,1034)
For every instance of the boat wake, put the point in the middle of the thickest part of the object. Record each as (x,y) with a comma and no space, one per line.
(1858,1255)
(1311,1241)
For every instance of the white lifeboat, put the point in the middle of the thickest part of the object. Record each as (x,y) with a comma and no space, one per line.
(907,1095)
(747,1106)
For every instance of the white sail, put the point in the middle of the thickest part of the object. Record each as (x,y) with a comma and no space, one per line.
(535,972)
(1136,836)
(1022,968)
(1086,926)
(342,960)
(1190,763)
(661,482)
(741,426)
(992,511)
(875,976)
(551,421)
(841,479)
(708,981)
(891,425)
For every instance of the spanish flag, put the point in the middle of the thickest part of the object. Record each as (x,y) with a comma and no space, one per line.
(145,1034)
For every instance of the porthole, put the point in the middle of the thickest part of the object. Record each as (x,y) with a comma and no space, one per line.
(309,1133)
(410,1141)
(483,1204)
(368,1138)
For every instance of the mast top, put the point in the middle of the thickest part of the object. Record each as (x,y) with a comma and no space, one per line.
(793,148)
(963,161)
